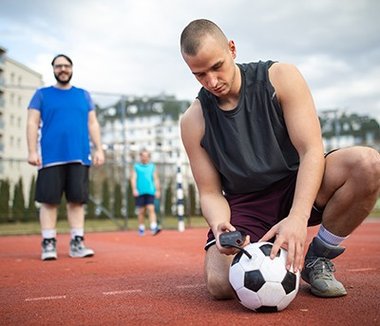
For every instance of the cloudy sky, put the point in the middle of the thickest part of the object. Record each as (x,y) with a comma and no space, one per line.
(132,46)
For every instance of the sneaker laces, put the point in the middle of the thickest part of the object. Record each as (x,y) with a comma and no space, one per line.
(321,267)
(48,244)
(78,242)
(47,241)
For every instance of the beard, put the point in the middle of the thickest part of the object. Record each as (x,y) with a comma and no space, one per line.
(63,78)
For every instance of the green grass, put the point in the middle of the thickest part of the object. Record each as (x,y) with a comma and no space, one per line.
(100,225)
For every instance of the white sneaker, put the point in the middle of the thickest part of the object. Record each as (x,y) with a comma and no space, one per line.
(78,249)
(49,251)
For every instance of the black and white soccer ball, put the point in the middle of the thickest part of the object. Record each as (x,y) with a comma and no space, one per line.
(260,283)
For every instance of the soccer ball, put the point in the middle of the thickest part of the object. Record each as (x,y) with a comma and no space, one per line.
(260,283)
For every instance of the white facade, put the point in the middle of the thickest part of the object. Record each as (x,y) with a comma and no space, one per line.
(158,134)
(17,85)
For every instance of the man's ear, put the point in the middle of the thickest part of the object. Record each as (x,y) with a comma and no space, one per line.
(232,48)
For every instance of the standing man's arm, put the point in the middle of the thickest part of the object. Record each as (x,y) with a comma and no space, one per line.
(214,206)
(157,184)
(304,130)
(134,182)
(94,129)
(33,124)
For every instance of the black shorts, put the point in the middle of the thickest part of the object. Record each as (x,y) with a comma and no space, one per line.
(255,213)
(144,200)
(71,179)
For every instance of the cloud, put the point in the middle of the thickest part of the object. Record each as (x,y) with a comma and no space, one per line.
(132,46)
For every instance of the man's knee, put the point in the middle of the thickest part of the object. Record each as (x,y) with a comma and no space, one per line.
(219,287)
(216,274)
(367,168)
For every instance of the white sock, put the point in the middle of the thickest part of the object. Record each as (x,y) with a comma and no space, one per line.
(141,227)
(49,233)
(77,232)
(328,237)
(153,225)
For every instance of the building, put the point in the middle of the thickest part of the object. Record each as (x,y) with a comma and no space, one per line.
(17,85)
(145,123)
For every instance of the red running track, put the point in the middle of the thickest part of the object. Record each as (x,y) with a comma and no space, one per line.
(158,280)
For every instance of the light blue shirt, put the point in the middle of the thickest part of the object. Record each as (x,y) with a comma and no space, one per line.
(145,178)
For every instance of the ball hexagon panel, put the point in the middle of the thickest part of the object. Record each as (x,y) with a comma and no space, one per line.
(290,282)
(254,280)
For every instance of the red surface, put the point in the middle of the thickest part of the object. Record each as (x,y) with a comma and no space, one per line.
(158,280)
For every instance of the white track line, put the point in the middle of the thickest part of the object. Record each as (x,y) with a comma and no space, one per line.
(361,269)
(57,297)
(121,292)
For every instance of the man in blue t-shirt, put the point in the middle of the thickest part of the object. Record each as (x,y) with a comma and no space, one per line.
(146,188)
(61,122)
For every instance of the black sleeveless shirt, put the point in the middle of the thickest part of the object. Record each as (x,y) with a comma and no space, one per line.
(249,145)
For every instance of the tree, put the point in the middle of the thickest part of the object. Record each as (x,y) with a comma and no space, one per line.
(4,201)
(192,200)
(130,201)
(18,206)
(359,126)
(117,197)
(31,210)
(105,197)
(168,199)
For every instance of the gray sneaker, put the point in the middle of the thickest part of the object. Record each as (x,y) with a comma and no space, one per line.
(318,270)
(49,251)
(156,230)
(78,249)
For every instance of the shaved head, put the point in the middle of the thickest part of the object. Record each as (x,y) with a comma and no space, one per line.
(194,34)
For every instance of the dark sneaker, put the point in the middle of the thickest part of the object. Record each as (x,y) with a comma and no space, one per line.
(156,230)
(78,249)
(319,270)
(49,251)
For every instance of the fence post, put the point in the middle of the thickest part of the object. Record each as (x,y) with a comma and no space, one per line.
(123,109)
(180,200)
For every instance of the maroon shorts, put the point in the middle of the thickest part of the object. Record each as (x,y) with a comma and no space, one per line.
(255,213)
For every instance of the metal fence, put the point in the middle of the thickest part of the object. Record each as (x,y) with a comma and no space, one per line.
(117,205)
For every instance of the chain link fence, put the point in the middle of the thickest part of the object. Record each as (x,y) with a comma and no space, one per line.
(110,192)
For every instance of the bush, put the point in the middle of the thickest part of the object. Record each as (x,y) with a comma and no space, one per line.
(18,206)
(4,201)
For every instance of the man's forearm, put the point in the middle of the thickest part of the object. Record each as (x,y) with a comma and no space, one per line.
(215,209)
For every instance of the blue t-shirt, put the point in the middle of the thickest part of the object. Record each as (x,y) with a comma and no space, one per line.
(145,178)
(64,130)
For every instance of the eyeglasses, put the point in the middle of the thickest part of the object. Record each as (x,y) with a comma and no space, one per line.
(62,66)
